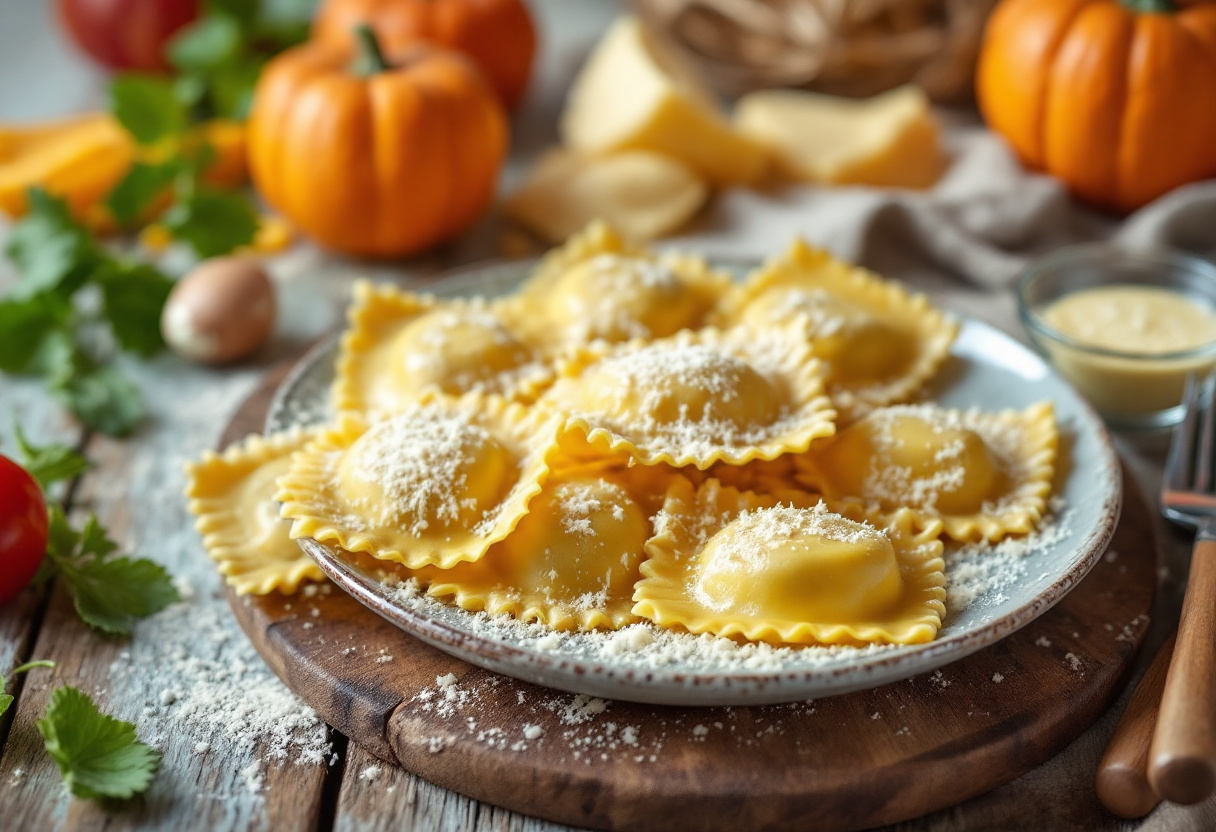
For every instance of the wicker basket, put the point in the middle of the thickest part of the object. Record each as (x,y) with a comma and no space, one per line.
(845,47)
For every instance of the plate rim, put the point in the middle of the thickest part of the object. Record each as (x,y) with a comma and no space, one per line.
(594,676)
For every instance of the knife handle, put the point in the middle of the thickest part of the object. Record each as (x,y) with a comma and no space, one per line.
(1122,782)
(1182,760)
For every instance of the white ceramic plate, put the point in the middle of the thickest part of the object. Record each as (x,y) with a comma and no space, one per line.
(987,369)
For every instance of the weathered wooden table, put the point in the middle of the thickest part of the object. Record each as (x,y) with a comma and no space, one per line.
(190,680)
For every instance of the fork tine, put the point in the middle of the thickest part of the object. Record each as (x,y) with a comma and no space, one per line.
(1178,462)
(1203,472)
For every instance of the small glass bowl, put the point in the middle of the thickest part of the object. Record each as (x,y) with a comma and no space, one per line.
(1132,391)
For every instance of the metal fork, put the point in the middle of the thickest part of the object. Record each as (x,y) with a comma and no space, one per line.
(1182,759)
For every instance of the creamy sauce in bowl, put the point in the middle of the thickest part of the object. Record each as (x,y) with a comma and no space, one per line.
(1149,327)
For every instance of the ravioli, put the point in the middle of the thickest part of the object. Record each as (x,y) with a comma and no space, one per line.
(435,484)
(984,475)
(879,344)
(400,345)
(695,398)
(600,288)
(572,562)
(741,564)
(232,496)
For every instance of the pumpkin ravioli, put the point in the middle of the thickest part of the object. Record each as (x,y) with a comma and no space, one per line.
(400,345)
(983,475)
(232,496)
(695,398)
(435,484)
(572,562)
(780,569)
(879,344)
(598,287)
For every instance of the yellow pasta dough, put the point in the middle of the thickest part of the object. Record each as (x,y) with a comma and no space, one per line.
(232,496)
(984,475)
(599,287)
(695,398)
(778,569)
(400,345)
(879,344)
(572,562)
(435,484)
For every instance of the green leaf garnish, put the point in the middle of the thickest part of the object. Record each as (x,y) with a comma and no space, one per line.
(50,250)
(147,107)
(101,397)
(49,464)
(97,755)
(212,222)
(110,594)
(207,43)
(133,296)
(134,196)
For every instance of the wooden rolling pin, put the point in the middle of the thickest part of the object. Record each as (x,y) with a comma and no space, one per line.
(1122,781)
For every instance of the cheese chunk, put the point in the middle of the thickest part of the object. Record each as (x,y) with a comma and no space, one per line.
(890,140)
(632,96)
(644,195)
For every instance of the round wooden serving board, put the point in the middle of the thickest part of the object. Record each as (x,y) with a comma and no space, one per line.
(849,762)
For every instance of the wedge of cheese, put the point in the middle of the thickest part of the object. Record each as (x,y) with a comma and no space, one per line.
(642,194)
(890,140)
(631,95)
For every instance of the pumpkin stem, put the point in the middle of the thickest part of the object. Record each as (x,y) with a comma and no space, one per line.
(1151,6)
(370,60)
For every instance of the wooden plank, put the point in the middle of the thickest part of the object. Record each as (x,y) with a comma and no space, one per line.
(378,797)
(206,777)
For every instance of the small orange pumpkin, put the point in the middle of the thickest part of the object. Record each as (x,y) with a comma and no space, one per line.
(1115,97)
(381,160)
(497,34)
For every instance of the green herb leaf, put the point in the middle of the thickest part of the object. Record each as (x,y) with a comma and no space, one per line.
(110,594)
(232,87)
(6,699)
(207,43)
(134,196)
(98,755)
(239,10)
(133,295)
(147,107)
(212,222)
(24,326)
(101,397)
(49,249)
(49,464)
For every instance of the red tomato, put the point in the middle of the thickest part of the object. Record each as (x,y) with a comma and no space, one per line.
(22,529)
(126,34)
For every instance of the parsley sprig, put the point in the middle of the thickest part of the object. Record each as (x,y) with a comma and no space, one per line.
(110,593)
(73,305)
(98,756)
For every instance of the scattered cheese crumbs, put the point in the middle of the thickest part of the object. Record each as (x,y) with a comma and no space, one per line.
(370,772)
(1073,660)
(629,639)
(938,679)
(533,732)
(876,715)
(383,659)
(998,678)
(445,681)
(222,691)
(254,777)
(435,744)
(699,731)
(1042,641)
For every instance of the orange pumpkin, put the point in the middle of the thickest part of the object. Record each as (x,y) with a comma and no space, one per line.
(1115,97)
(497,34)
(382,159)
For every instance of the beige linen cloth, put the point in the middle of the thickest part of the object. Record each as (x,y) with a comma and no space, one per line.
(965,241)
